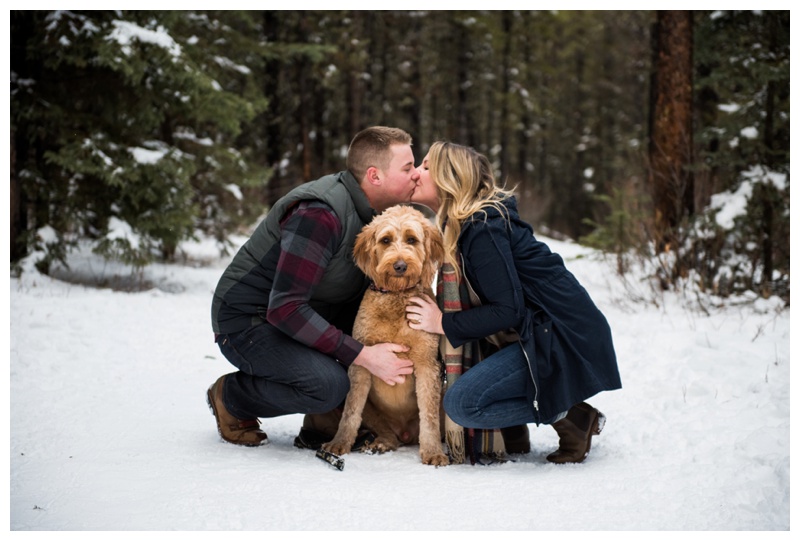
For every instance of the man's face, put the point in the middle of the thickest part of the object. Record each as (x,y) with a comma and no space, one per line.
(400,176)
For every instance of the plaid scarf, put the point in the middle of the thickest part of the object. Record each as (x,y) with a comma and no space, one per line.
(480,445)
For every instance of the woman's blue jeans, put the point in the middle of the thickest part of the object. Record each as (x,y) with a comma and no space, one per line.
(278,375)
(493,393)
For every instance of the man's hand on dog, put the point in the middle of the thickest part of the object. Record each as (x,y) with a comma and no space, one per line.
(382,361)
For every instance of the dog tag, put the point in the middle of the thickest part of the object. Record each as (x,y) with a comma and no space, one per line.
(334,460)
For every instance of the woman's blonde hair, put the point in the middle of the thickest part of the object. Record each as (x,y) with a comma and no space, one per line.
(466,185)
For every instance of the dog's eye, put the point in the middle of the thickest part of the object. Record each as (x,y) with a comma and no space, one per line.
(386,240)
(411,240)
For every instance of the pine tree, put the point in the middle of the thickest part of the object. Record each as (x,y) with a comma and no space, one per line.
(125,127)
(743,142)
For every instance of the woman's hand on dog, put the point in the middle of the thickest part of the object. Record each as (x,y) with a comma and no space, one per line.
(424,315)
(382,361)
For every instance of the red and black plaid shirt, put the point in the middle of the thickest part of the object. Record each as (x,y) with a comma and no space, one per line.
(310,235)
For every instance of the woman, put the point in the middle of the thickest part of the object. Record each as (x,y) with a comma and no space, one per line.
(560,352)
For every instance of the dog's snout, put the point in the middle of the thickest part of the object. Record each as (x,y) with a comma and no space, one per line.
(400,266)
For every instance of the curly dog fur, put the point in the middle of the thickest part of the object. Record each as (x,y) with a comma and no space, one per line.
(400,251)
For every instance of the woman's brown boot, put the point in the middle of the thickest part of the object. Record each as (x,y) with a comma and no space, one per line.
(517,439)
(575,433)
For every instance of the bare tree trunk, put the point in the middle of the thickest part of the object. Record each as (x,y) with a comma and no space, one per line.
(765,192)
(707,113)
(355,94)
(302,111)
(466,128)
(671,126)
(273,117)
(523,134)
(505,129)
(303,68)
(18,249)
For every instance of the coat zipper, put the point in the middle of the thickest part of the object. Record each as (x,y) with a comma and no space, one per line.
(535,387)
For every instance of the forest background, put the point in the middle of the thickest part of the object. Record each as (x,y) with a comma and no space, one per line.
(625,130)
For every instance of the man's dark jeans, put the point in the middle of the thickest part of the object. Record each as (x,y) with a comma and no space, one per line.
(279,376)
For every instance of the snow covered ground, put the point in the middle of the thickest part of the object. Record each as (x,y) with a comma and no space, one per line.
(109,428)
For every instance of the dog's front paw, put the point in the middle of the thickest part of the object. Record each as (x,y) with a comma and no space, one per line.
(382,444)
(337,447)
(434,459)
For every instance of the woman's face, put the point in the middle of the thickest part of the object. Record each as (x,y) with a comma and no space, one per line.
(426,192)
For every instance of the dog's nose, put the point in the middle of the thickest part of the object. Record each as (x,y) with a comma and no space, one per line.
(400,267)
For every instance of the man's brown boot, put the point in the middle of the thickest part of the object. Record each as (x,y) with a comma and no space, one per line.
(575,433)
(233,430)
(318,428)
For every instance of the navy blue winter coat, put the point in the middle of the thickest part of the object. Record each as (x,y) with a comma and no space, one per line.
(524,286)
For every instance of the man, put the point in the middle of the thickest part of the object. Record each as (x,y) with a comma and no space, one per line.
(284,308)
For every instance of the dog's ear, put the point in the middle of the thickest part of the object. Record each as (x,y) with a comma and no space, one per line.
(362,249)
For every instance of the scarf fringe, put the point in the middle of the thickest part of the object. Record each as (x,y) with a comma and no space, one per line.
(481,446)
(454,437)
(488,447)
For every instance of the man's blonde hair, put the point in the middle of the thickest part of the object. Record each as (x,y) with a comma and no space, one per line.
(371,148)
(466,185)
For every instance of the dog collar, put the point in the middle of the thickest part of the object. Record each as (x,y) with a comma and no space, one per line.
(373,287)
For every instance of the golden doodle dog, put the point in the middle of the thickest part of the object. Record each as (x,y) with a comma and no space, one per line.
(399,251)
